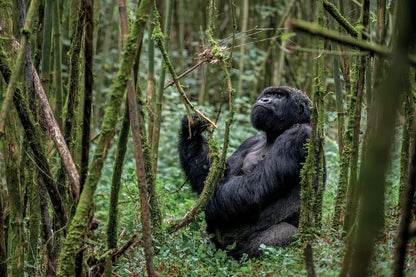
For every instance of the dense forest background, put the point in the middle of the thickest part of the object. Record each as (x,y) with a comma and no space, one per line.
(92,94)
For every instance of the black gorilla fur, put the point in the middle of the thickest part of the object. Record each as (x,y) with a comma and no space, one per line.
(257,201)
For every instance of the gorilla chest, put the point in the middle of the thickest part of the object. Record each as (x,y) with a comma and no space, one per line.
(255,156)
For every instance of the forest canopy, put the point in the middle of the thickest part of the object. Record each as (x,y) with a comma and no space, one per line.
(92,95)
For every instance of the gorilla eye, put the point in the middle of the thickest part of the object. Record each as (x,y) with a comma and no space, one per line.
(279,95)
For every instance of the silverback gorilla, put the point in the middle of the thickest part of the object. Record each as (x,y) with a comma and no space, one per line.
(257,202)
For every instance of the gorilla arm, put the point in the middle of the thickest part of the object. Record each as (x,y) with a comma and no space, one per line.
(193,152)
(246,195)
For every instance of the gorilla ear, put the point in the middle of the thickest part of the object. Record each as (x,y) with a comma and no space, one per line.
(304,112)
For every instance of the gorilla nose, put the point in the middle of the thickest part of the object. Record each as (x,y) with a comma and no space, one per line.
(265,100)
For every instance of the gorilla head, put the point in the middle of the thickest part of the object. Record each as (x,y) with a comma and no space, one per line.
(278,108)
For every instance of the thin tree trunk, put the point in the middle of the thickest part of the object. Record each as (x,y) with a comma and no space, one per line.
(3,222)
(34,212)
(356,103)
(75,237)
(73,88)
(138,155)
(15,245)
(88,7)
(151,84)
(47,232)
(311,201)
(407,202)
(159,97)
(112,225)
(244,24)
(46,47)
(57,51)
(340,204)
(408,112)
(141,178)
(104,63)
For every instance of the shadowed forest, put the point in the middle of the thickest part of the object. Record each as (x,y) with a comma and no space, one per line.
(94,92)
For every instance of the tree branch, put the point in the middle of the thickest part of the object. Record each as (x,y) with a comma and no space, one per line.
(311,28)
(332,9)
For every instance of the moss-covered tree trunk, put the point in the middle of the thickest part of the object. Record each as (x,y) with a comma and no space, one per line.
(112,225)
(140,163)
(3,222)
(88,7)
(30,183)
(358,91)
(57,58)
(46,46)
(408,110)
(15,245)
(5,50)
(408,188)
(160,88)
(76,232)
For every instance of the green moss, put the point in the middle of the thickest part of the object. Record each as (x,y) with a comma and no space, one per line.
(4,64)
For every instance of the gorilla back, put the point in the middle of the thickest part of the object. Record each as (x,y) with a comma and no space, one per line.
(257,201)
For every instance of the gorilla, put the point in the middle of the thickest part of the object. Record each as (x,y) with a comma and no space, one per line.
(258,199)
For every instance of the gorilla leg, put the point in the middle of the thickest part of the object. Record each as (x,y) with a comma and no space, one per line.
(280,234)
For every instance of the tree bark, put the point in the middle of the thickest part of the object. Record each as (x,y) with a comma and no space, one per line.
(138,156)
(88,7)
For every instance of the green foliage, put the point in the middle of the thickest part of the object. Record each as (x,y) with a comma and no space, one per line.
(189,251)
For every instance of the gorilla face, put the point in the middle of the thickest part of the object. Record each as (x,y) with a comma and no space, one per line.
(278,108)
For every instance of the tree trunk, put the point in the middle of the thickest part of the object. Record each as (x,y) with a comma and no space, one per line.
(57,51)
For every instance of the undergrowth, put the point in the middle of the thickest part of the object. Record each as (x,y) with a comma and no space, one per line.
(189,251)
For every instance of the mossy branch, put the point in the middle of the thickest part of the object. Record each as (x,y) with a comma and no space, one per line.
(332,9)
(305,26)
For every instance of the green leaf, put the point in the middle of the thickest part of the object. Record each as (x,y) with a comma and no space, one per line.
(287,36)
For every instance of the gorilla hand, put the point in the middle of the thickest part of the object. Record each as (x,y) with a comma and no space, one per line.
(195,129)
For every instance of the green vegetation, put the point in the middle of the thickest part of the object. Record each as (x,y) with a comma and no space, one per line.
(354,59)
